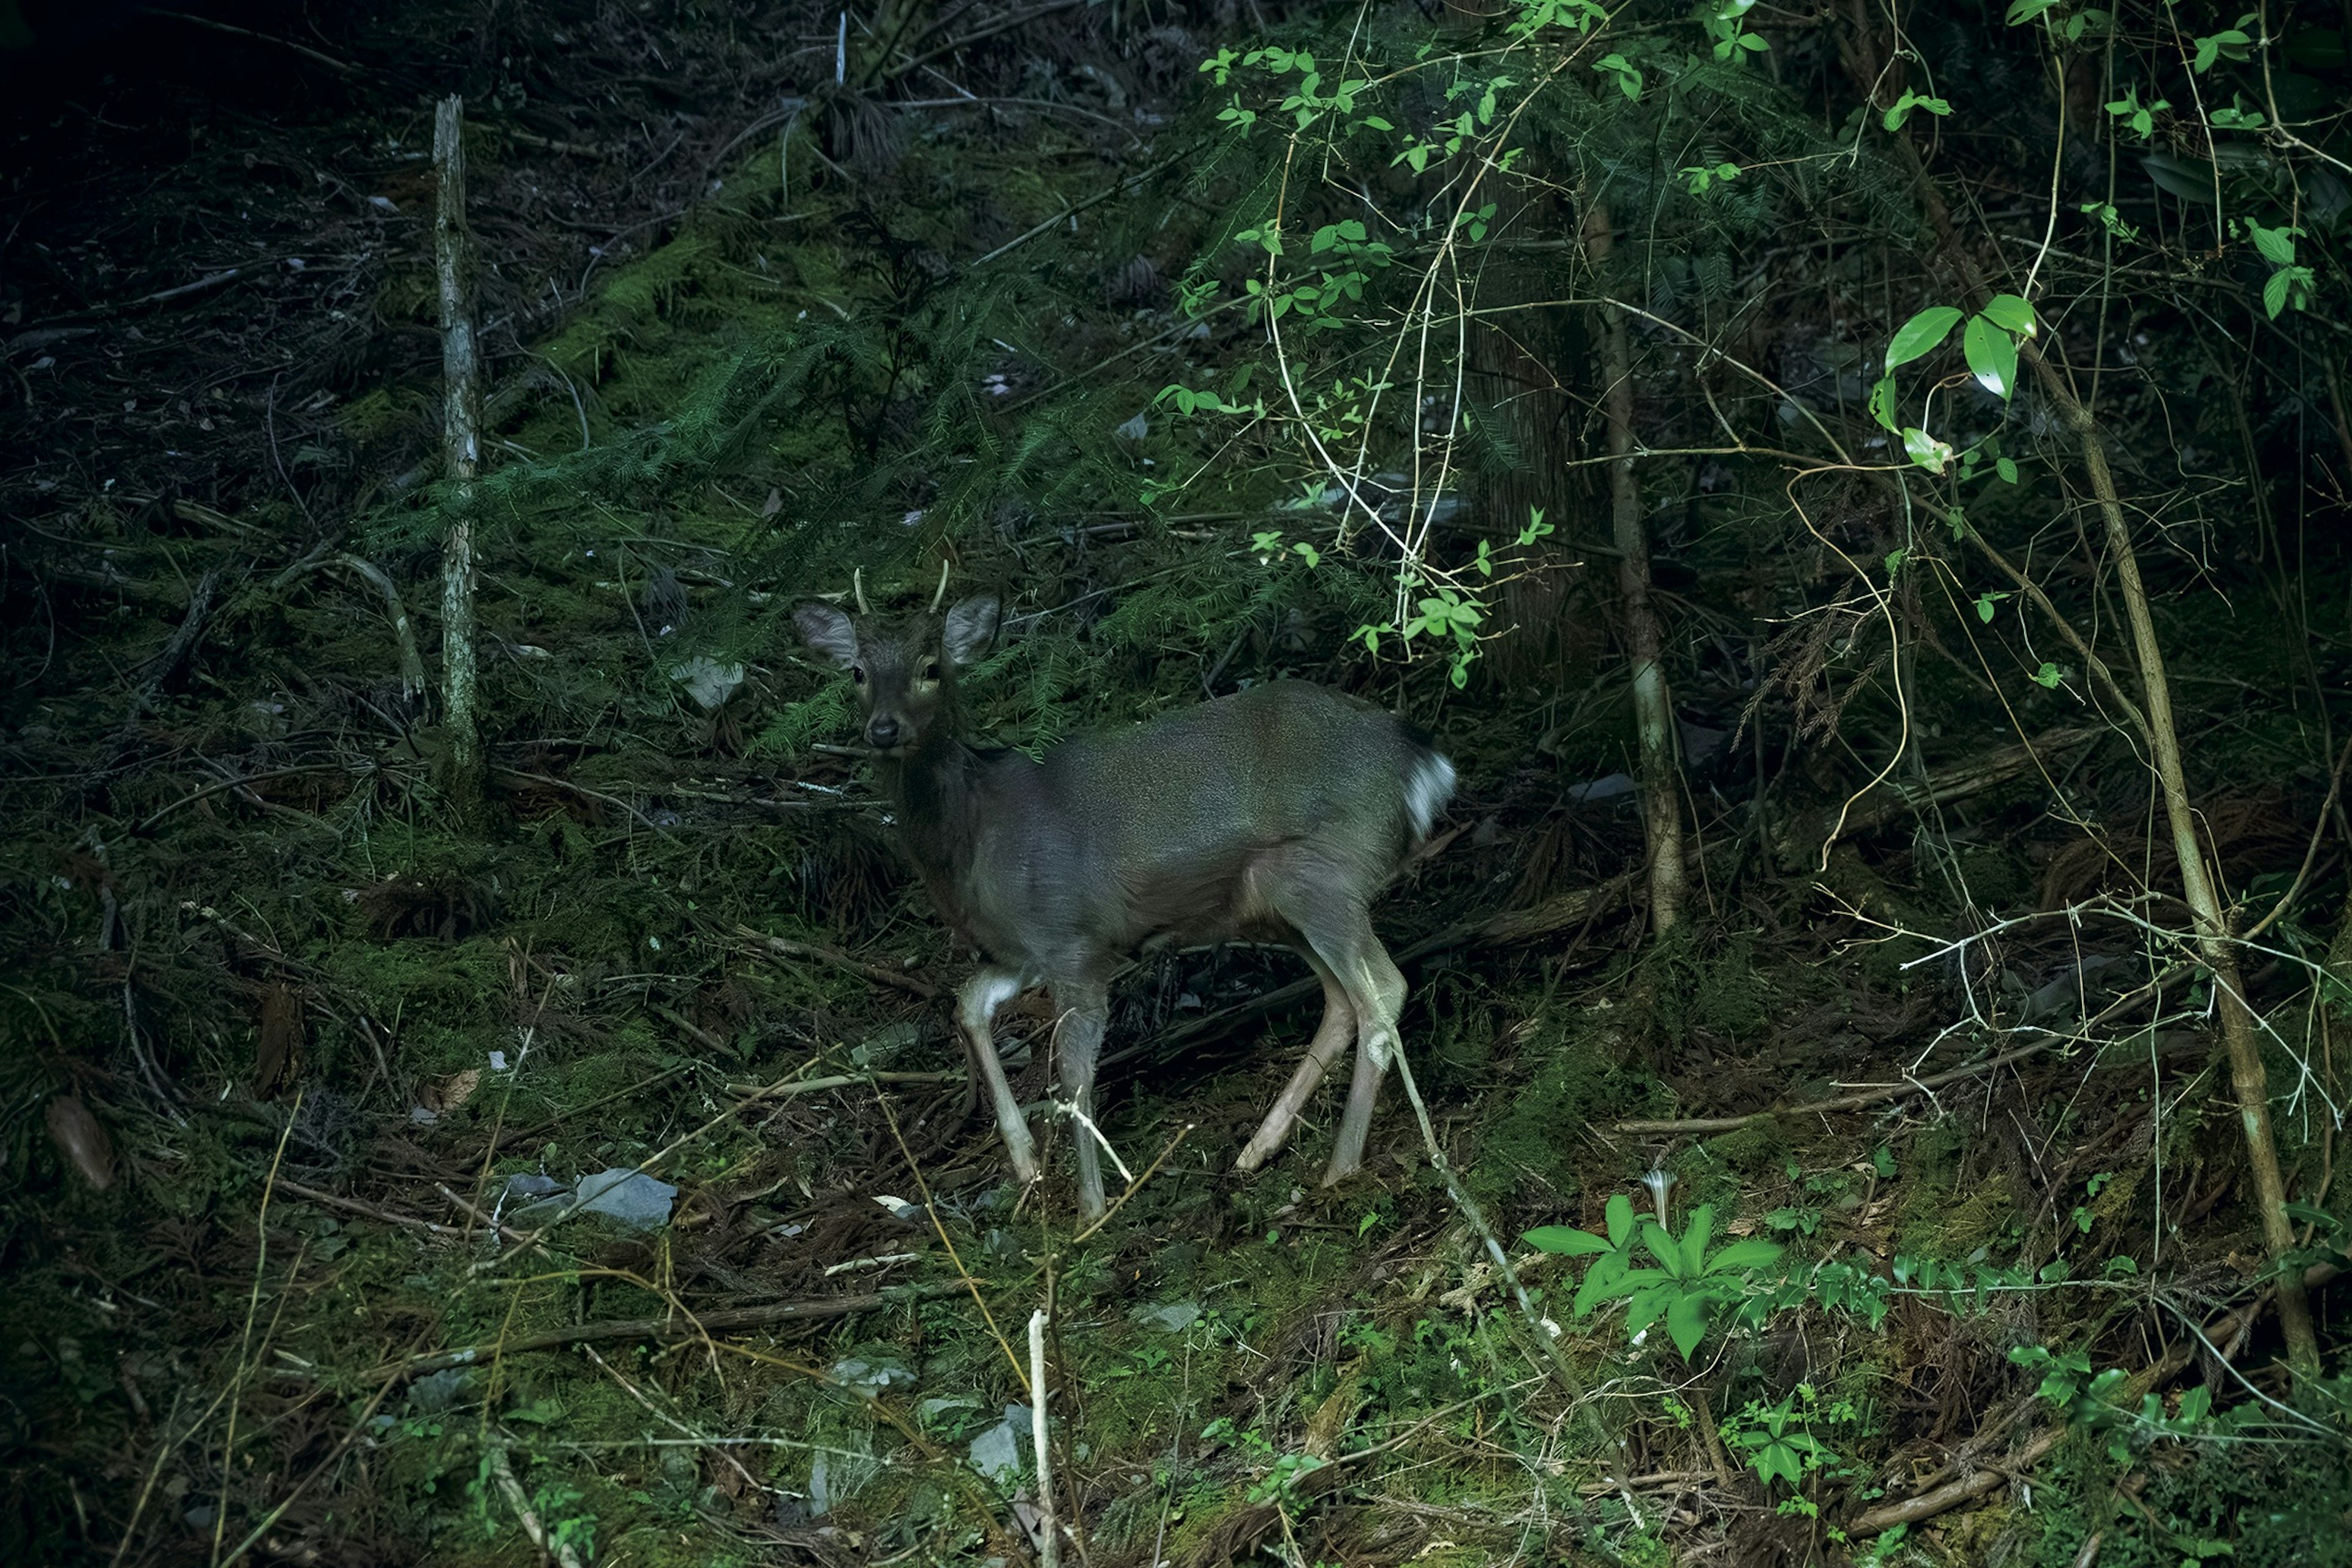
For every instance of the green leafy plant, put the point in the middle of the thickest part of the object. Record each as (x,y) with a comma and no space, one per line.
(1777,1441)
(1684,1283)
(2088,1400)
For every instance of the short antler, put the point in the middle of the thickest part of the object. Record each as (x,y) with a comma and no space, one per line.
(857,586)
(939,593)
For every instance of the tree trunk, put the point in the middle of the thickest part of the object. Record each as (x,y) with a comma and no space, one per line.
(461,455)
(2215,941)
(1653,706)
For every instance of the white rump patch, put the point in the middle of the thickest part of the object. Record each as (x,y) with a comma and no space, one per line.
(1426,790)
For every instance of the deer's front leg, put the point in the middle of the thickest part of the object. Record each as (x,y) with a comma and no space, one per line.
(976,1005)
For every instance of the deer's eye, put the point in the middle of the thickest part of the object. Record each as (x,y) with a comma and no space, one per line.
(858,673)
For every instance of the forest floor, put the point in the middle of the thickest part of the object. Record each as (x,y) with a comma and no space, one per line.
(306,1071)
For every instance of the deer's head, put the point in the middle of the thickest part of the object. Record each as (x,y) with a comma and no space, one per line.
(905,670)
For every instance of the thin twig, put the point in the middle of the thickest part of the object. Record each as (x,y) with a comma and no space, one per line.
(1049,1551)
(1868,1097)
(722,1320)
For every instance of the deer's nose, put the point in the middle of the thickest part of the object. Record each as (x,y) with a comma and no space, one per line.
(882,729)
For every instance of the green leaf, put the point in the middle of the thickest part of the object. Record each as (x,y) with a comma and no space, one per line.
(2275,292)
(2007,468)
(2190,179)
(1687,1321)
(1662,1246)
(2048,677)
(1921,334)
(2277,245)
(1752,1253)
(1620,1213)
(2011,313)
(1694,1240)
(1926,451)
(1882,403)
(1992,356)
(1565,1240)
(2026,11)
(1894,559)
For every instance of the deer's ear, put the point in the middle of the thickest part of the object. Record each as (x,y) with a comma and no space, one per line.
(827,631)
(970,629)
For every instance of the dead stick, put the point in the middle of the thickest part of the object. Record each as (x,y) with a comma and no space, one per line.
(778,945)
(334,1200)
(502,1471)
(1944,1499)
(724,1320)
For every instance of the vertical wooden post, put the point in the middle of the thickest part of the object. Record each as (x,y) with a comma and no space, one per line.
(461,455)
(1653,704)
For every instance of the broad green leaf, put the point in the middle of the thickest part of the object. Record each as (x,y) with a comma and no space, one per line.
(1992,356)
(2275,292)
(1565,1240)
(1662,1246)
(1753,1253)
(1621,1220)
(1647,1305)
(1882,403)
(1694,1240)
(2009,310)
(1687,1321)
(2277,245)
(2025,11)
(2007,468)
(2190,179)
(1926,451)
(1921,334)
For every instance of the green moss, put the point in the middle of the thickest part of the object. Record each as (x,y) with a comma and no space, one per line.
(1532,1150)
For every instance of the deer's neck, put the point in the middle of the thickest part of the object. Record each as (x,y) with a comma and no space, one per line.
(936,789)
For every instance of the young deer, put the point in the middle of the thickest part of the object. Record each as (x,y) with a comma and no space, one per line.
(1277,813)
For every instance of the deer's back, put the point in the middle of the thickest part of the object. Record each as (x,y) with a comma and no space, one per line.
(1179,826)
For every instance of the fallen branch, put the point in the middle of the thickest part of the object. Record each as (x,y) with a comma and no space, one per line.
(1799,841)
(2174,1361)
(754,1092)
(765,944)
(412,665)
(525,1515)
(354,1205)
(726,1320)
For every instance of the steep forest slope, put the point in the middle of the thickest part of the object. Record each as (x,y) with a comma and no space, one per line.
(1860,498)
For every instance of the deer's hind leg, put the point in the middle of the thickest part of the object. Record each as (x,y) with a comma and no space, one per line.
(1340,928)
(1085,1008)
(1338,1026)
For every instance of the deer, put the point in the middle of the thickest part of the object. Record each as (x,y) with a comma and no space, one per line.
(1277,813)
